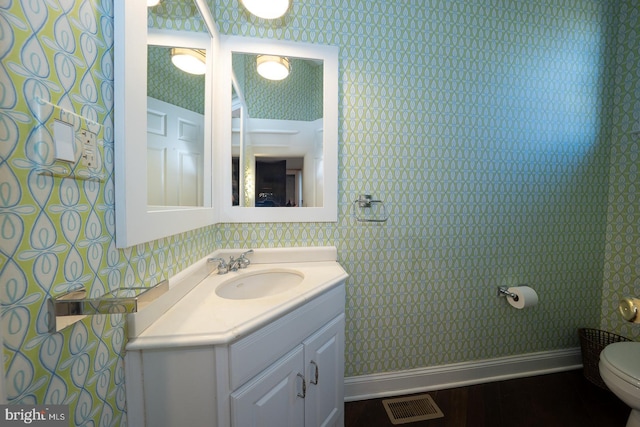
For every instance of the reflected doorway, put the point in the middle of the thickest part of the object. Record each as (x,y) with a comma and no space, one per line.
(278,181)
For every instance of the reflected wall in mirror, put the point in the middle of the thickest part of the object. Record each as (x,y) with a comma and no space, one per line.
(176,105)
(281,151)
(162,156)
(280,140)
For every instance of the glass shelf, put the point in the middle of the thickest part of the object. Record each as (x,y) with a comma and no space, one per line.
(73,306)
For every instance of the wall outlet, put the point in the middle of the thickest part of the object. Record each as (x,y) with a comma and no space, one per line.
(89,146)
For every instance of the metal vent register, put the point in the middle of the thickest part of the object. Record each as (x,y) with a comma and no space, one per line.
(409,409)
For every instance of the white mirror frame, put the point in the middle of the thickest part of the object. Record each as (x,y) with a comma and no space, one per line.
(329,55)
(135,222)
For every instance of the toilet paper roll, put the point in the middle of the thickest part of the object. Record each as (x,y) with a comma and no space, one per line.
(527,297)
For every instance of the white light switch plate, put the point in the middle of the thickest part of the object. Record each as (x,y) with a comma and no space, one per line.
(63,137)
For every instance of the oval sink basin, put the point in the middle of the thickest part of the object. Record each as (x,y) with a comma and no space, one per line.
(259,284)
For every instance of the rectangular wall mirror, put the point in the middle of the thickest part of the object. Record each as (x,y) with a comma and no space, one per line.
(277,139)
(163,119)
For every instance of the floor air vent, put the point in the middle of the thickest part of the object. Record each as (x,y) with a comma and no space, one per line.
(409,409)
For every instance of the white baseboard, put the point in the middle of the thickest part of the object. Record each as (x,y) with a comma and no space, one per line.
(460,374)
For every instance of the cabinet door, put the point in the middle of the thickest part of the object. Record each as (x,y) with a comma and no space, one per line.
(324,361)
(274,397)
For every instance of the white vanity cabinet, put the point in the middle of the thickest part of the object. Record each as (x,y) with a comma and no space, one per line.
(324,358)
(287,372)
(303,388)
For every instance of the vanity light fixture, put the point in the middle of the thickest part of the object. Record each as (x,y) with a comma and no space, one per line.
(267,9)
(191,61)
(151,3)
(273,67)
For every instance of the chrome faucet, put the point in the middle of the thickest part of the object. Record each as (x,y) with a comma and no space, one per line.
(240,262)
(234,264)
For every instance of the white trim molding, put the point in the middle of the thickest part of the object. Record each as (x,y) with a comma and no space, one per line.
(460,374)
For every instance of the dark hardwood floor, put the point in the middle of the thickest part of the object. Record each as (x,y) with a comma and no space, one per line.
(563,399)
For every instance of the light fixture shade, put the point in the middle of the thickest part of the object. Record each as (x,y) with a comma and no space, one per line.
(273,67)
(192,61)
(151,3)
(267,9)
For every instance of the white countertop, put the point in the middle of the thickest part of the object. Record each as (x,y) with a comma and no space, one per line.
(201,317)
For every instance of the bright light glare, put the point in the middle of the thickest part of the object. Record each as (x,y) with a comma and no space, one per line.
(273,67)
(267,9)
(189,60)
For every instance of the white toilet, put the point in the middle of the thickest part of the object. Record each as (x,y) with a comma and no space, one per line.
(620,371)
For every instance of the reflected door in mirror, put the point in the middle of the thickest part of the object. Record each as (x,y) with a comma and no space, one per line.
(175,131)
(174,155)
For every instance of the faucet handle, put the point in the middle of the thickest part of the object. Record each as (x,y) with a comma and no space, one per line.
(223,267)
(243,254)
(243,260)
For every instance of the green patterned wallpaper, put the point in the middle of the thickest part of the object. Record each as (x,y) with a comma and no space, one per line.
(298,97)
(622,250)
(179,15)
(496,132)
(164,81)
(483,126)
(169,84)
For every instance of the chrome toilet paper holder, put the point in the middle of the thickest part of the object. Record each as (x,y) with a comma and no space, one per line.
(503,291)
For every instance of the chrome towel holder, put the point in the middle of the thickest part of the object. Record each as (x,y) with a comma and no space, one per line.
(366,209)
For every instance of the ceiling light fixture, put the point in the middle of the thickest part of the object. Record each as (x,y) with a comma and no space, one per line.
(192,61)
(271,9)
(273,67)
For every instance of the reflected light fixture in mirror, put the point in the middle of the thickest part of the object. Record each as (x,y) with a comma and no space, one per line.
(267,9)
(273,67)
(192,61)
